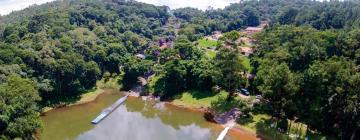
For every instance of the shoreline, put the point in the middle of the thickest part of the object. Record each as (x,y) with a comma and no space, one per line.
(92,96)
(237,128)
(101,87)
(85,98)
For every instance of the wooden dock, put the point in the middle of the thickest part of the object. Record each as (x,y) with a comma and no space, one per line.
(225,131)
(106,112)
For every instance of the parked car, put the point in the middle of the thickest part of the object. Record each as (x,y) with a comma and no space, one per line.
(243,91)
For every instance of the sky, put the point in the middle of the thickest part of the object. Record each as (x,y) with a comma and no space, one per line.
(6,6)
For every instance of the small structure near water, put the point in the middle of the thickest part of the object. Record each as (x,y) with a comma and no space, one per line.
(226,119)
(109,110)
(231,115)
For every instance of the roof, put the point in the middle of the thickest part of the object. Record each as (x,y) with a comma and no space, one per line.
(253,29)
(246,49)
(140,56)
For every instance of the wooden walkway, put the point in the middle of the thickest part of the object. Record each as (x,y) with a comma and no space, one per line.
(106,112)
(224,132)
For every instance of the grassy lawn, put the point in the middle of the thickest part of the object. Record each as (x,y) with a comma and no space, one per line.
(198,99)
(207,43)
(211,53)
(246,63)
(262,124)
(109,82)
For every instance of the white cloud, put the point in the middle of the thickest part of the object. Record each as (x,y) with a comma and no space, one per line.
(7,6)
(200,4)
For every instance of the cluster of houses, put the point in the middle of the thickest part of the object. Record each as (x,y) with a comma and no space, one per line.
(246,50)
(162,43)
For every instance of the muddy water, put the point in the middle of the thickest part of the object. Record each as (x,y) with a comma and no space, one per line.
(135,120)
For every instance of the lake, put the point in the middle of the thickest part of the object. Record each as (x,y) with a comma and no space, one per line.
(135,120)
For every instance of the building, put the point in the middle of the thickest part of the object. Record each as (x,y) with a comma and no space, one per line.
(246,51)
(216,35)
(252,30)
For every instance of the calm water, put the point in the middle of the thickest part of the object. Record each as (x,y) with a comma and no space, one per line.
(135,120)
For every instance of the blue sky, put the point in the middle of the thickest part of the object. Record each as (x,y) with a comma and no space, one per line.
(6,6)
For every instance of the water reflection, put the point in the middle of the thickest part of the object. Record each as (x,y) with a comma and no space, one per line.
(135,120)
(122,124)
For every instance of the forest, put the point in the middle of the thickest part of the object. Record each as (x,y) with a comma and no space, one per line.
(306,61)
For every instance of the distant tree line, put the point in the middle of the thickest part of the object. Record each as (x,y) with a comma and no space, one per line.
(320,15)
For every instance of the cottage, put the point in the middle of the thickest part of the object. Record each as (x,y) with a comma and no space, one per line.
(216,35)
(252,30)
(246,51)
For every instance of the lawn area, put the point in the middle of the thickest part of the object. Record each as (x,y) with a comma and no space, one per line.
(262,124)
(246,63)
(110,83)
(198,99)
(207,43)
(211,53)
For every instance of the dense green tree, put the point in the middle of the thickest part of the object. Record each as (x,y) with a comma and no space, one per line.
(279,85)
(309,75)
(135,67)
(175,77)
(287,16)
(186,49)
(306,72)
(19,118)
(334,80)
(231,37)
(230,69)
(251,17)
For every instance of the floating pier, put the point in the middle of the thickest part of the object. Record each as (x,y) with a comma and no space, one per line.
(106,112)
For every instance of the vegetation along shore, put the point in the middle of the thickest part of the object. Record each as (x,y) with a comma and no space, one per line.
(280,69)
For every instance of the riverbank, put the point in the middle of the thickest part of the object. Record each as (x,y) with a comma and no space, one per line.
(91,95)
(201,100)
(258,124)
